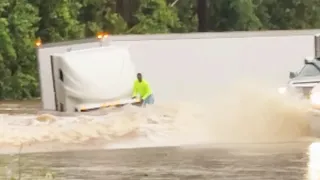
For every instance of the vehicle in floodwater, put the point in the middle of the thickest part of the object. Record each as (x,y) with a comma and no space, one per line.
(306,82)
(306,85)
(88,78)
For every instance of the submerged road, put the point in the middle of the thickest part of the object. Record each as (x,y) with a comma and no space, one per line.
(298,160)
(251,162)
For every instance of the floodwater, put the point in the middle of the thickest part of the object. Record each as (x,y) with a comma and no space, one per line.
(251,133)
(274,161)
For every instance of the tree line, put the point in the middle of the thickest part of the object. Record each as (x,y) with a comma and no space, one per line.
(22,21)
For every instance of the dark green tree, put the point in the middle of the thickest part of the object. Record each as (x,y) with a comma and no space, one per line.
(156,16)
(18,66)
(59,20)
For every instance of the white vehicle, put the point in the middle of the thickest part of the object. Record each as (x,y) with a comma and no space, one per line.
(306,84)
(88,78)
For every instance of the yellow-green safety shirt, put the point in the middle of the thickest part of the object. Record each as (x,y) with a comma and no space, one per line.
(142,88)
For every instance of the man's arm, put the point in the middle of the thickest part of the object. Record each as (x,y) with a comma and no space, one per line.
(149,92)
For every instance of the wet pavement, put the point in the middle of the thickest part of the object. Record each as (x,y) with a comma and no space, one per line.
(295,160)
(289,161)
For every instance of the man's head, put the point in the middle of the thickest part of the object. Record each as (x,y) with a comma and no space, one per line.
(139,77)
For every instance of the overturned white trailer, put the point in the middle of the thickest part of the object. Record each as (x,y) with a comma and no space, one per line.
(217,58)
(90,78)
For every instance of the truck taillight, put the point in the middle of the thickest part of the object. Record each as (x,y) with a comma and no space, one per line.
(102,35)
(38,42)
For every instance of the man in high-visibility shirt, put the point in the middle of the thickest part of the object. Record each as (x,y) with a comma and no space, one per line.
(142,88)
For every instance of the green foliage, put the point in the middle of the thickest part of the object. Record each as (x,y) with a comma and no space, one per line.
(59,20)
(100,15)
(17,57)
(22,21)
(154,17)
(295,14)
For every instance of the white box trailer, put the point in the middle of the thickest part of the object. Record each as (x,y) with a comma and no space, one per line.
(92,78)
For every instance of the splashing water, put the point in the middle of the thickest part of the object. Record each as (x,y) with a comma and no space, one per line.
(243,114)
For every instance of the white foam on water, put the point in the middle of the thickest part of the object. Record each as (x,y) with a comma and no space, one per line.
(245,113)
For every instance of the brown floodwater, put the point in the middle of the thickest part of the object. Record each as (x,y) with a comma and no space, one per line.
(70,156)
(292,161)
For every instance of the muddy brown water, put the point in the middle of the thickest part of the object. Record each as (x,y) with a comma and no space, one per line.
(298,160)
(249,163)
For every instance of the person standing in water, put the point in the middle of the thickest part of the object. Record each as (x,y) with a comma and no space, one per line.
(142,88)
